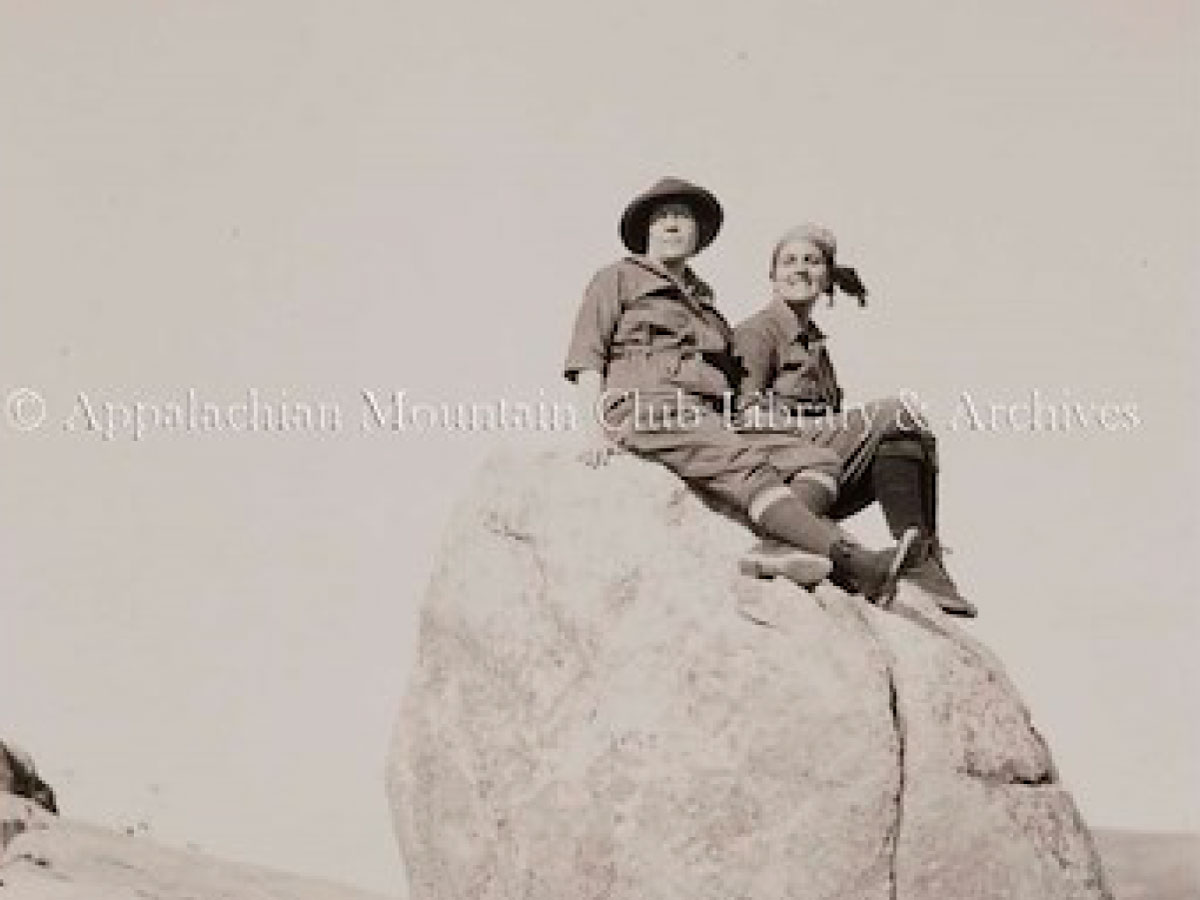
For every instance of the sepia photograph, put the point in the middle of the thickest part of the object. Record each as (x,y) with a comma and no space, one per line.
(610,451)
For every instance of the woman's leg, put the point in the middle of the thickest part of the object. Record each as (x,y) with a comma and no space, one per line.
(748,472)
(904,478)
(772,557)
(900,476)
(890,456)
(779,513)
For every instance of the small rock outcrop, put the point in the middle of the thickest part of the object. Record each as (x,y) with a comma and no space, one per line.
(26,801)
(19,776)
(603,707)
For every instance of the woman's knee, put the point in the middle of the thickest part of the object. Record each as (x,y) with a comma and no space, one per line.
(919,444)
(895,416)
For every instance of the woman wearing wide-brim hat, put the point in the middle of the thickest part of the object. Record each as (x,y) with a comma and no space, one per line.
(703,205)
(887,450)
(653,357)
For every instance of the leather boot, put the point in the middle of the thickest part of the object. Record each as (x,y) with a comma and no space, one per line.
(905,481)
(874,572)
(929,574)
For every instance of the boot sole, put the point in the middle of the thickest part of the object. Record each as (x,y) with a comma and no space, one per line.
(963,611)
(949,601)
(945,594)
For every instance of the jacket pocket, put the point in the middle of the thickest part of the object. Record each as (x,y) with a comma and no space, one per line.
(655,326)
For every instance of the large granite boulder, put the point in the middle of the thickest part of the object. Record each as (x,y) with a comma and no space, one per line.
(603,707)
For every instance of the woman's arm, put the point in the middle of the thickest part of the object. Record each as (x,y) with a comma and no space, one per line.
(754,352)
(830,389)
(587,362)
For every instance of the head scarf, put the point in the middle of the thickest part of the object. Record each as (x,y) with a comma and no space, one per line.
(844,278)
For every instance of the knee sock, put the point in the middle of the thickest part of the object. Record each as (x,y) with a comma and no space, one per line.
(816,490)
(783,516)
(898,476)
(931,499)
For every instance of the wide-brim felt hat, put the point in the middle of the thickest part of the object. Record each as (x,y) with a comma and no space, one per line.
(635,221)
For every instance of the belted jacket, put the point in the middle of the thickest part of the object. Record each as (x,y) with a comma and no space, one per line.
(645,330)
(785,363)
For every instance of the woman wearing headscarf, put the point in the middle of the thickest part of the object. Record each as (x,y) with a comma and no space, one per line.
(648,339)
(887,450)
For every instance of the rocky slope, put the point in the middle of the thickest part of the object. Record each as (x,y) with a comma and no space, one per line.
(48,858)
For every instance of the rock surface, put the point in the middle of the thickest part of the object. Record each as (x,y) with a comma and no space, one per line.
(18,815)
(58,859)
(604,708)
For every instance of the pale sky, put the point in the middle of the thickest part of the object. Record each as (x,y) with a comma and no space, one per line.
(210,632)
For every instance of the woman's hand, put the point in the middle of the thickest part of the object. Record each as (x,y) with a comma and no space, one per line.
(596,447)
(597,451)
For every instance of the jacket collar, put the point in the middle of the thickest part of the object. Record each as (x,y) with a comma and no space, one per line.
(651,276)
(785,319)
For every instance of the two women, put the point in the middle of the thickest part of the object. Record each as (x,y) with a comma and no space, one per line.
(653,354)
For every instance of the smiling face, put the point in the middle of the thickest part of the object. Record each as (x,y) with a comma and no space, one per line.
(801,272)
(672,232)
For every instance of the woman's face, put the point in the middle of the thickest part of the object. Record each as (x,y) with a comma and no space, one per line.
(802,273)
(672,233)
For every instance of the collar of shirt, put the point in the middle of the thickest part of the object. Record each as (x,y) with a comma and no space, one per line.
(656,275)
(788,323)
